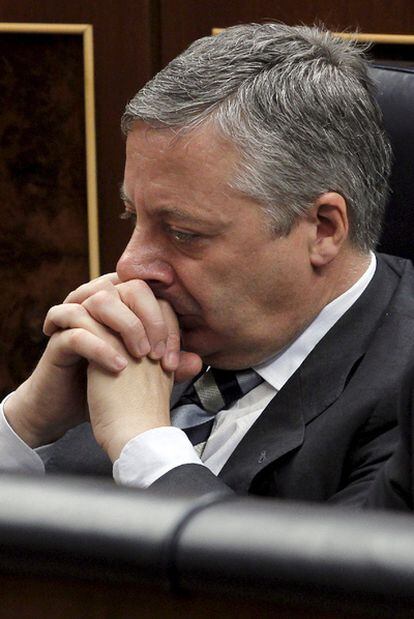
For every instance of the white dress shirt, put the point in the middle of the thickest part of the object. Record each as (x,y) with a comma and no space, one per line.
(153,453)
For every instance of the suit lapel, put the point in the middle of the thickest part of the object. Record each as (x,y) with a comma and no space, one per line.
(318,383)
(273,435)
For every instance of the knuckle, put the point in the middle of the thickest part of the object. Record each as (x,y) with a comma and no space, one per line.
(75,294)
(69,297)
(132,289)
(88,288)
(106,277)
(52,310)
(102,349)
(159,327)
(127,297)
(72,309)
(52,341)
(137,285)
(132,328)
(128,293)
(79,310)
(174,340)
(133,323)
(101,297)
(49,314)
(74,337)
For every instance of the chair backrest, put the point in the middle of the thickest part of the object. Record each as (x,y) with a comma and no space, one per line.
(396,97)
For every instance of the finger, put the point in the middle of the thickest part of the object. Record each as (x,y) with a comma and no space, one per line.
(189,366)
(65,316)
(171,357)
(138,296)
(70,345)
(75,316)
(104,282)
(112,312)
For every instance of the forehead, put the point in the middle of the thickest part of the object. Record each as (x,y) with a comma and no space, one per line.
(199,155)
(190,173)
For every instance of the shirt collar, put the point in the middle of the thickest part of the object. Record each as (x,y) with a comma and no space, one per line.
(280,368)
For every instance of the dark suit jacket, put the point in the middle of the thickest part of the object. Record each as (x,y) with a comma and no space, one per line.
(394,485)
(330,429)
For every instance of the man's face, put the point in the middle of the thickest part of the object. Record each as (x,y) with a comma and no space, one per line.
(240,292)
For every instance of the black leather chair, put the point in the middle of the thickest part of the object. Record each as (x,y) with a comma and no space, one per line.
(396,97)
(89,549)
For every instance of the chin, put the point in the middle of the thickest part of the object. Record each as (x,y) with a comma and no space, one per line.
(216,352)
(233,359)
(227,360)
(202,342)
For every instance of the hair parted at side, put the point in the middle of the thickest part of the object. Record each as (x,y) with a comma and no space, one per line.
(299,106)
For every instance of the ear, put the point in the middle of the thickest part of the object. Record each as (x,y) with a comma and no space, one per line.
(329,216)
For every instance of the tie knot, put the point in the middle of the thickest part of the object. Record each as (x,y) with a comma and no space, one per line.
(211,392)
(218,389)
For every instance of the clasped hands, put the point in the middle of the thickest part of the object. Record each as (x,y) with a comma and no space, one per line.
(112,357)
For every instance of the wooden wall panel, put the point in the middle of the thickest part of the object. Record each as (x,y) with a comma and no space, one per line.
(182,21)
(126,55)
(124,60)
(43,224)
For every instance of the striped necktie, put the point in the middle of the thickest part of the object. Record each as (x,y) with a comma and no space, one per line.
(214,390)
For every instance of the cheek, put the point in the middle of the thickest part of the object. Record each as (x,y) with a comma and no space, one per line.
(227,285)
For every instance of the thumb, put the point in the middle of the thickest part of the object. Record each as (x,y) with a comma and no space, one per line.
(189,366)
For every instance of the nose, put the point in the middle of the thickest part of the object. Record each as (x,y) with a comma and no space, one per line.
(143,259)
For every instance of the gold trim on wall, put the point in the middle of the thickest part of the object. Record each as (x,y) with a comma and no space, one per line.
(86,31)
(369,37)
(395,39)
(393,49)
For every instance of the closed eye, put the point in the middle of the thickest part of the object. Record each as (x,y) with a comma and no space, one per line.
(181,236)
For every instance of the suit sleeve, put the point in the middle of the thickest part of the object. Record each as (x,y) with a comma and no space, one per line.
(190,480)
(393,486)
(15,455)
(364,469)
(382,472)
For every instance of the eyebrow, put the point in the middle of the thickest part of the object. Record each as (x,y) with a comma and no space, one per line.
(124,197)
(166,211)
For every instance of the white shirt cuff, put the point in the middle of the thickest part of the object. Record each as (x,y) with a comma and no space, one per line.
(15,455)
(151,454)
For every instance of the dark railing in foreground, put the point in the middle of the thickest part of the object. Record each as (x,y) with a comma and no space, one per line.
(89,549)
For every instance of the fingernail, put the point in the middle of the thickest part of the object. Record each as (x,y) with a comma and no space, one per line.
(120,362)
(144,347)
(172,359)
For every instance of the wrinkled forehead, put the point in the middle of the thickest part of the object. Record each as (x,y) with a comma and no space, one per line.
(200,153)
(189,174)
(181,138)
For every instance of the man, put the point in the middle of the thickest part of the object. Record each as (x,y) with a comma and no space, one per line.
(256,178)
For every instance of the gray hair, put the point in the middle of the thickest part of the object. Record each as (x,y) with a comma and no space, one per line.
(299,106)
